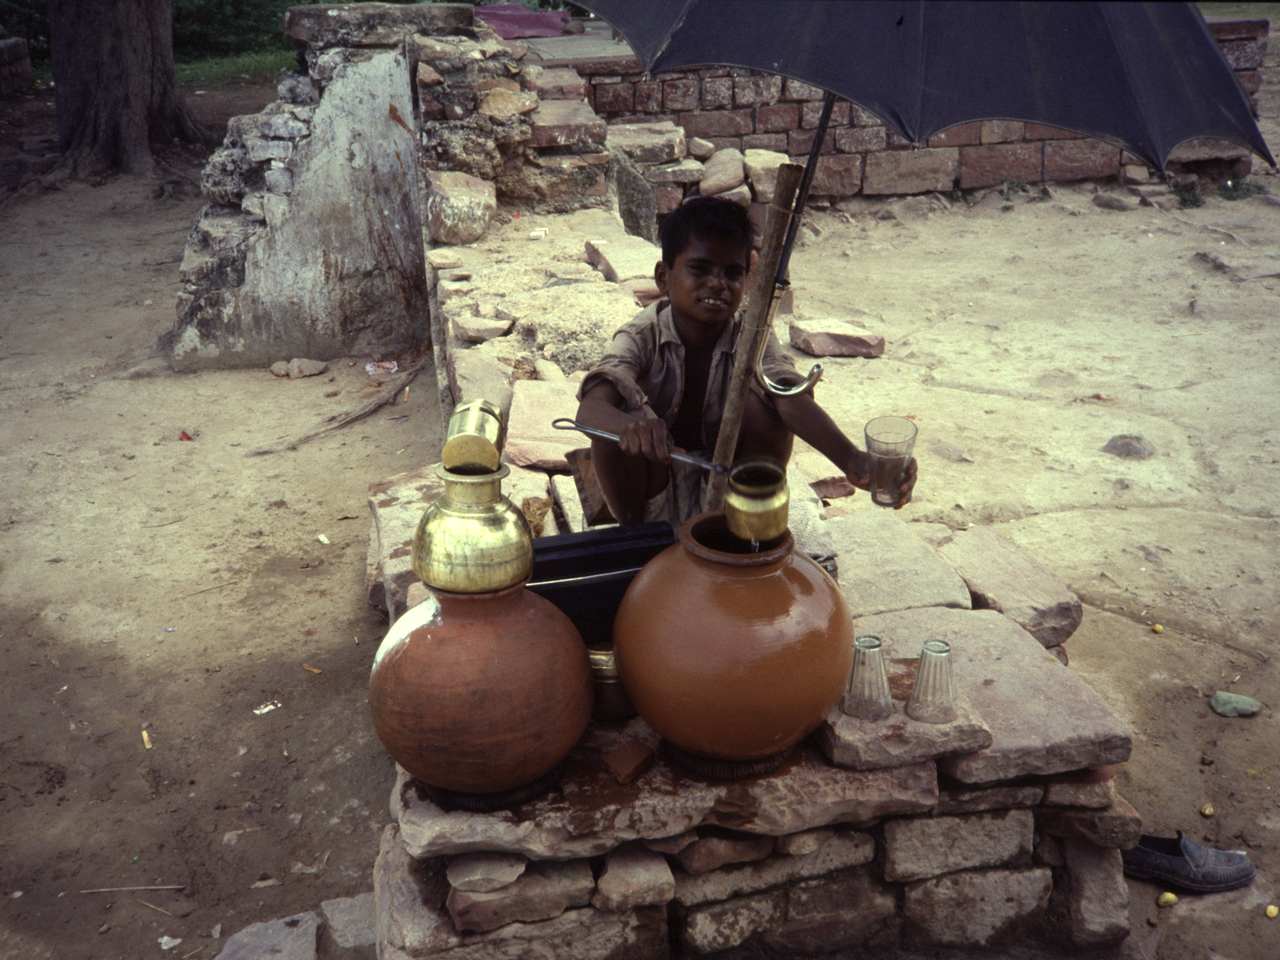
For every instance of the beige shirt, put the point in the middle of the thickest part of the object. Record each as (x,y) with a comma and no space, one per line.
(645,362)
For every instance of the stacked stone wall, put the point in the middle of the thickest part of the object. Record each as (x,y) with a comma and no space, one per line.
(15,65)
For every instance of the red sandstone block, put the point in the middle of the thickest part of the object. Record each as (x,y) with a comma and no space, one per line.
(1251,80)
(614,97)
(717,123)
(1228,29)
(606,67)
(990,165)
(838,176)
(717,93)
(897,141)
(811,112)
(795,90)
(1244,54)
(862,117)
(911,171)
(861,139)
(647,96)
(1002,131)
(801,142)
(668,197)
(776,142)
(713,72)
(777,117)
(1080,160)
(961,135)
(680,94)
(755,90)
(1038,131)
(726,143)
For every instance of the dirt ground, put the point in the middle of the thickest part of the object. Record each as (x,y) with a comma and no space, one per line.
(185,659)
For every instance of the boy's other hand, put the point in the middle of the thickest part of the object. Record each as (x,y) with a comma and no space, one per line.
(860,476)
(908,485)
(648,438)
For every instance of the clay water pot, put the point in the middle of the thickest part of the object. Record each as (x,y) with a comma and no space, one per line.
(483,692)
(730,654)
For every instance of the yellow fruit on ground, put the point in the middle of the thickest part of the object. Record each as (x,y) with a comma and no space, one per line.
(1166,899)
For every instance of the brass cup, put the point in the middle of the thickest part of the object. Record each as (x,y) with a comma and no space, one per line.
(757,499)
(474,439)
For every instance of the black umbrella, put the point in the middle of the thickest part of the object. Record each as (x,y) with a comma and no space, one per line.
(1143,76)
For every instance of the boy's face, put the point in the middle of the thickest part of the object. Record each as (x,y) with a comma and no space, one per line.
(705,284)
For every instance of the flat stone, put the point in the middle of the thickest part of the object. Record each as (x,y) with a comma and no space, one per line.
(1119,826)
(1004,578)
(687,170)
(545,890)
(458,206)
(1043,718)
(473,375)
(841,851)
(741,195)
(662,142)
(701,149)
(531,439)
(713,852)
(910,171)
(971,909)
(624,258)
(1234,704)
(633,876)
(834,338)
(920,847)
(485,872)
(560,83)
(721,926)
(596,814)
(567,125)
(761,167)
(1095,789)
(844,910)
(884,566)
(412,925)
(899,739)
(371,24)
(1098,896)
(299,368)
(806,842)
(351,921)
(502,104)
(977,799)
(397,504)
(569,504)
(293,938)
(473,329)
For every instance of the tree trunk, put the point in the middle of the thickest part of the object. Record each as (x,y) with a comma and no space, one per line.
(114,84)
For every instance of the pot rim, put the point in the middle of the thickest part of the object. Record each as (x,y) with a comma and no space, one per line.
(771,551)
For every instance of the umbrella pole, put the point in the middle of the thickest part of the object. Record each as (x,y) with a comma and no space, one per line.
(755,326)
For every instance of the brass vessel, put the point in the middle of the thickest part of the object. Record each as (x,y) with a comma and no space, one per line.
(611,701)
(473,442)
(756,503)
(472,539)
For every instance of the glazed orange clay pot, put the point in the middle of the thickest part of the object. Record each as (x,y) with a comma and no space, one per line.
(481,692)
(731,654)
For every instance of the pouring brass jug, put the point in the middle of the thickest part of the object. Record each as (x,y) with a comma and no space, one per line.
(757,500)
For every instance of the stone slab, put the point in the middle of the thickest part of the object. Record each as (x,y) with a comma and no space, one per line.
(397,504)
(834,338)
(898,739)
(592,813)
(542,892)
(371,24)
(1097,895)
(848,909)
(842,851)
(624,258)
(920,847)
(1095,789)
(724,171)
(1119,826)
(410,929)
(955,800)
(971,909)
(1043,718)
(1002,577)
(567,125)
(531,439)
(633,876)
(291,938)
(351,921)
(687,170)
(884,566)
(724,925)
(659,142)
(709,853)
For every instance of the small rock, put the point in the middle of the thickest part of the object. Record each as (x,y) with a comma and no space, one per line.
(629,761)
(1130,446)
(1234,704)
(485,872)
(280,368)
(293,938)
(1108,202)
(306,368)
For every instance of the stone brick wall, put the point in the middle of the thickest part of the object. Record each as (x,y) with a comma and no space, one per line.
(746,109)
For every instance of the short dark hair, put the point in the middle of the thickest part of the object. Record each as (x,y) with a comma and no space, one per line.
(708,218)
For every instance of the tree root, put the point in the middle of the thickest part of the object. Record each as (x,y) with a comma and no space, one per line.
(346,417)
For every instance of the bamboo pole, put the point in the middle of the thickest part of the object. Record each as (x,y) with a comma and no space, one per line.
(755,326)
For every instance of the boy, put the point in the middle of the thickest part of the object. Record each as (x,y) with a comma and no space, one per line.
(662,383)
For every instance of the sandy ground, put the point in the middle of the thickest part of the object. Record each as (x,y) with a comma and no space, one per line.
(151,585)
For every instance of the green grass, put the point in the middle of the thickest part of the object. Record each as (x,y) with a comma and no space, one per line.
(213,70)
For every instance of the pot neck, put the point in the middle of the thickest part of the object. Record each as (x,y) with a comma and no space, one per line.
(708,538)
(472,489)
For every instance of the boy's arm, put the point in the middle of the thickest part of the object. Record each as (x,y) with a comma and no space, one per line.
(803,416)
(638,433)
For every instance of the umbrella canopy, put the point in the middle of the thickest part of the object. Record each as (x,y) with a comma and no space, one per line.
(1143,76)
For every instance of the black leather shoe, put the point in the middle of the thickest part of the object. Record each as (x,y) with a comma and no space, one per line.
(1187,864)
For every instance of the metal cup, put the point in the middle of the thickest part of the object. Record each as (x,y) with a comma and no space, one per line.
(473,441)
(868,695)
(933,699)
